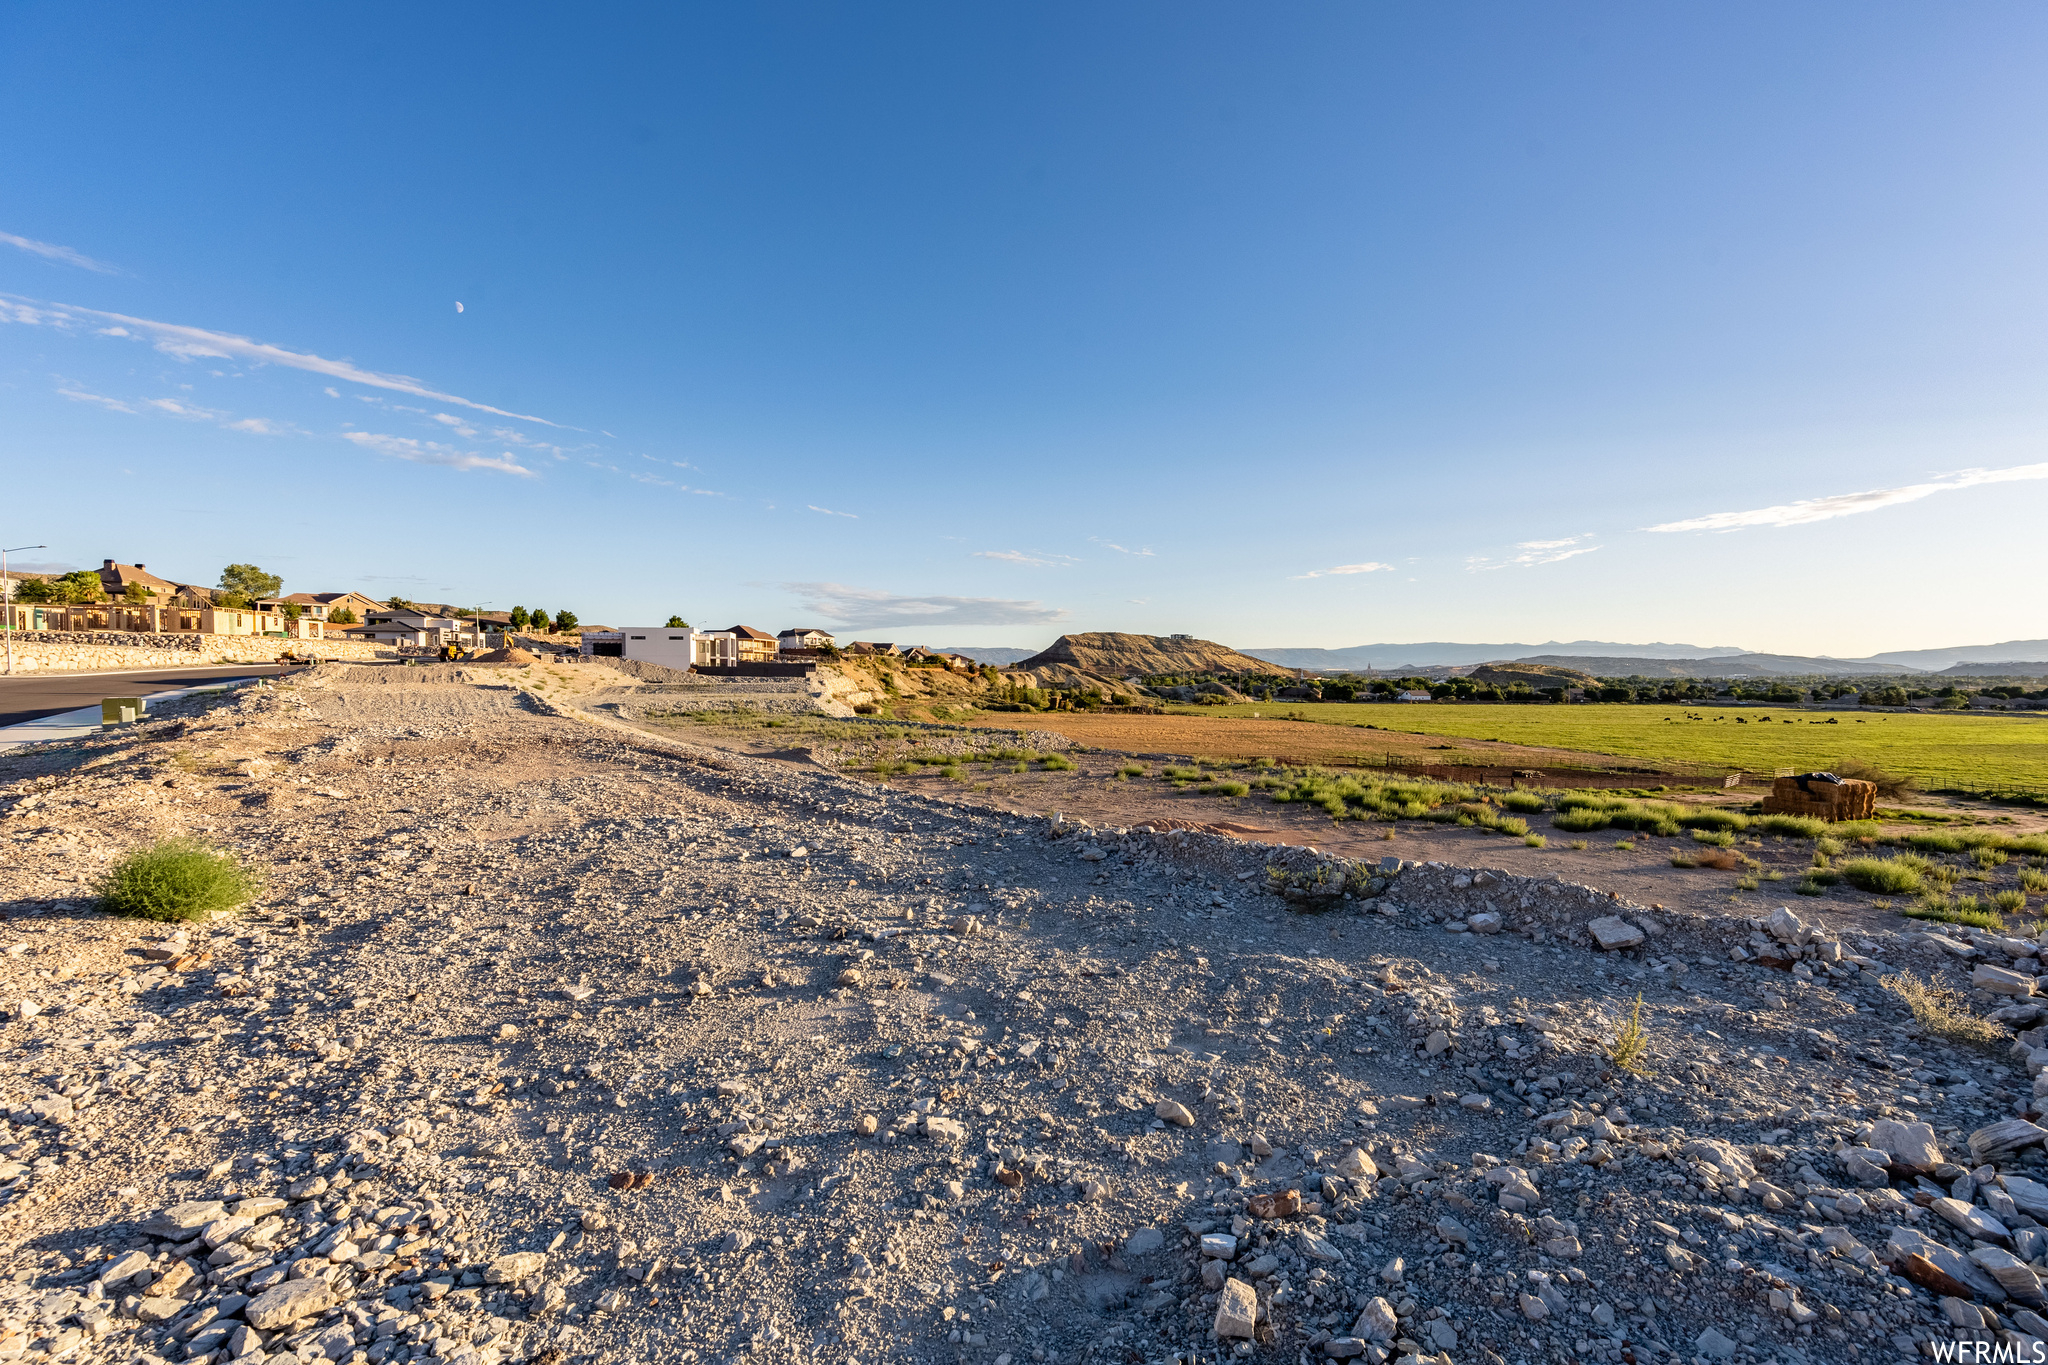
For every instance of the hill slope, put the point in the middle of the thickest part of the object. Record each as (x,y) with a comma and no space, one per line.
(1391,658)
(1089,658)
(1936,659)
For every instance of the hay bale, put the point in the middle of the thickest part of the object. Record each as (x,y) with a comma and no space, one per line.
(1823,796)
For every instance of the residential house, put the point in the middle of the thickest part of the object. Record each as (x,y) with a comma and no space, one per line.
(403,626)
(321,606)
(752,646)
(803,637)
(1412,696)
(671,647)
(872,647)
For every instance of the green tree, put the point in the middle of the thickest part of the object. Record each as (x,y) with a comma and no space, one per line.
(35,590)
(135,595)
(565,620)
(246,580)
(540,622)
(341,616)
(518,618)
(290,611)
(80,587)
(400,604)
(676,623)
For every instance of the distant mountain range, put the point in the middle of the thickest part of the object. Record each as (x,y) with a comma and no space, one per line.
(1383,658)
(1606,658)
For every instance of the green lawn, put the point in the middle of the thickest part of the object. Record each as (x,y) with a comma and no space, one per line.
(1987,755)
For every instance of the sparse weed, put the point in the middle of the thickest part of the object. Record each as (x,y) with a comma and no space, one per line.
(1957,910)
(1945,1013)
(1526,802)
(1624,846)
(1058,763)
(1718,838)
(1791,826)
(1224,789)
(1534,840)
(1631,1042)
(1130,770)
(2033,879)
(1989,857)
(2009,902)
(1683,860)
(1745,883)
(1577,845)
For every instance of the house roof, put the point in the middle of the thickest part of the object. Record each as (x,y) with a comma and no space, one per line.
(116,578)
(806,630)
(749,633)
(304,599)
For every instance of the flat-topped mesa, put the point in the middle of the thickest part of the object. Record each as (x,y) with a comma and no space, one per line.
(1113,655)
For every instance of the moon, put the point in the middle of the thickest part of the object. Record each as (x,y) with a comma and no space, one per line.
(458,307)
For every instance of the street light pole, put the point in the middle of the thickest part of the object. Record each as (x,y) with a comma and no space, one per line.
(7,602)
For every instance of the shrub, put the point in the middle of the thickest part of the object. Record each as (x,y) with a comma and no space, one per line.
(1131,770)
(1579,821)
(1718,838)
(1883,876)
(1679,859)
(1989,857)
(1534,840)
(2009,902)
(1732,821)
(1512,826)
(178,879)
(1945,1012)
(1528,802)
(1624,846)
(2033,879)
(1957,910)
(1746,883)
(1225,789)
(1809,887)
(1577,845)
(1725,859)
(1935,841)
(1792,826)
(1058,763)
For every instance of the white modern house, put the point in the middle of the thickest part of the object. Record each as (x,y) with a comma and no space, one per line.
(669,646)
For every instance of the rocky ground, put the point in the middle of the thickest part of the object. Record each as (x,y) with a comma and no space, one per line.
(552,1040)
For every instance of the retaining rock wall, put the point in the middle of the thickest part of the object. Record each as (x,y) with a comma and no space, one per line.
(46,651)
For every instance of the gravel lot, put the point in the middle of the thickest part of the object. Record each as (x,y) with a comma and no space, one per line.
(553,1040)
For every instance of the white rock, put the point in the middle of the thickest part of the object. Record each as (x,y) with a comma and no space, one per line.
(1612,933)
(1237,1311)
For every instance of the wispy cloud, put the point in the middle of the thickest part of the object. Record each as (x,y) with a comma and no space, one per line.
(188,343)
(1038,559)
(850,516)
(1112,545)
(100,400)
(1534,552)
(1850,504)
(258,426)
(460,426)
(186,410)
(51,252)
(868,608)
(1343,569)
(433,452)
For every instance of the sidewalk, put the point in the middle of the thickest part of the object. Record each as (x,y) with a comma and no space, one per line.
(86,719)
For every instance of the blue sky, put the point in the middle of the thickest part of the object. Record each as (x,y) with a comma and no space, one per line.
(1302,325)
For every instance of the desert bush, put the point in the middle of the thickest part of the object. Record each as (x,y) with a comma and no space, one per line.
(2009,902)
(951,770)
(1131,770)
(1577,845)
(1883,876)
(2033,879)
(1579,821)
(1527,802)
(1957,910)
(1809,887)
(1791,826)
(1745,883)
(1535,840)
(1058,763)
(1935,841)
(1733,822)
(1989,857)
(1173,774)
(1225,789)
(1624,846)
(1718,838)
(1945,1013)
(178,879)
(1680,859)
(1828,847)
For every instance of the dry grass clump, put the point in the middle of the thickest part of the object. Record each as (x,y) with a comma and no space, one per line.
(178,879)
(1944,1012)
(1885,876)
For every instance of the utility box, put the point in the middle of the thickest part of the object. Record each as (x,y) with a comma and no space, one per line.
(121,710)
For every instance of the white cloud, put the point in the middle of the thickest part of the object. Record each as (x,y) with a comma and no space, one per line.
(455,424)
(115,332)
(188,343)
(258,426)
(850,516)
(50,252)
(867,608)
(1534,552)
(1112,545)
(433,452)
(1849,504)
(1038,560)
(81,396)
(1343,569)
(177,409)
(330,390)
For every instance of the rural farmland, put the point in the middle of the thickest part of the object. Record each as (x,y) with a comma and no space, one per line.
(1986,755)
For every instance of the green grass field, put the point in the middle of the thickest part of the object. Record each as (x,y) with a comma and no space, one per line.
(1983,755)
